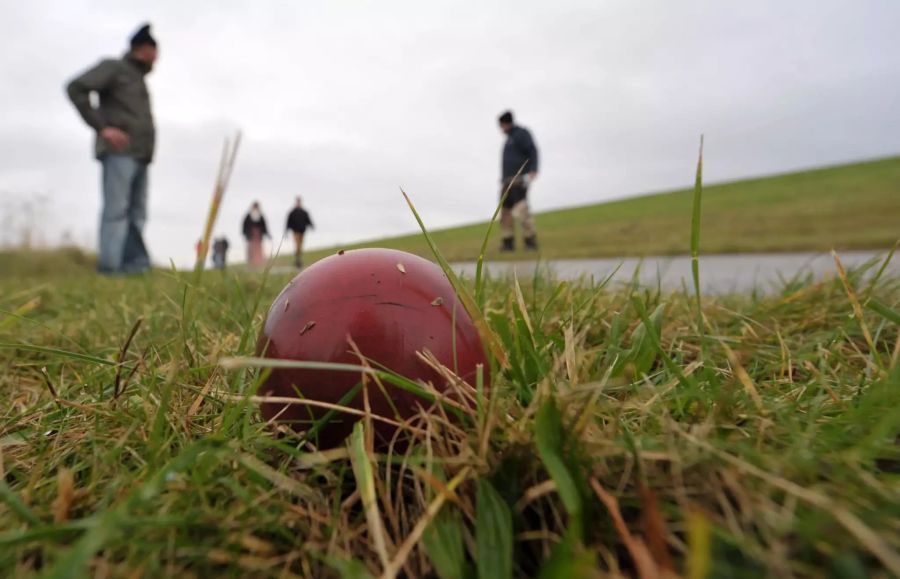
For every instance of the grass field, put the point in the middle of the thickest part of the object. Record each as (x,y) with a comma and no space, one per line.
(626,432)
(622,438)
(846,207)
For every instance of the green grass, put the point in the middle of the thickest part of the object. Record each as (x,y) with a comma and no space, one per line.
(620,438)
(40,262)
(845,207)
(625,431)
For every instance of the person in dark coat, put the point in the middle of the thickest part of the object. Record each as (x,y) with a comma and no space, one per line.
(122,121)
(255,229)
(519,153)
(220,252)
(298,221)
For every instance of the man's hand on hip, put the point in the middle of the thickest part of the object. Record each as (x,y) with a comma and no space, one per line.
(117,138)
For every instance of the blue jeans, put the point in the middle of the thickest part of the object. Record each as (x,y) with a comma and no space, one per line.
(124,213)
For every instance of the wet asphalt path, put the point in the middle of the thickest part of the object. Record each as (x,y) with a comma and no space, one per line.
(718,273)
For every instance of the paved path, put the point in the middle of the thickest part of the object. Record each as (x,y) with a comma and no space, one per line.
(718,273)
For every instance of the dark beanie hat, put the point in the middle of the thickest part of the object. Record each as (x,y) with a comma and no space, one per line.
(142,37)
(506,117)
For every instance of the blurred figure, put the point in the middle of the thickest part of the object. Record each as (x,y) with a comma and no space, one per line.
(518,150)
(220,252)
(255,230)
(297,222)
(124,146)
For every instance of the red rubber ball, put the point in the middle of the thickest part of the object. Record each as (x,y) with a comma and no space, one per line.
(392,304)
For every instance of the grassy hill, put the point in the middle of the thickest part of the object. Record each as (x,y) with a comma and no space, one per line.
(855,206)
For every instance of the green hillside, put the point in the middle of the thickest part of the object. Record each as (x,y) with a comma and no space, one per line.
(855,206)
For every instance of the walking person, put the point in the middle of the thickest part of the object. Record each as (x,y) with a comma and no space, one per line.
(125,141)
(255,229)
(297,222)
(519,150)
(220,252)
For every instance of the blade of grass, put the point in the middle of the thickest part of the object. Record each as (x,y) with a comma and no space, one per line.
(72,562)
(640,553)
(443,541)
(674,368)
(15,504)
(876,544)
(226,167)
(695,241)
(569,559)
(391,377)
(484,330)
(348,568)
(878,275)
(422,524)
(479,281)
(548,435)
(883,310)
(117,383)
(699,554)
(857,308)
(365,484)
(57,352)
(493,533)
(19,313)
(346,399)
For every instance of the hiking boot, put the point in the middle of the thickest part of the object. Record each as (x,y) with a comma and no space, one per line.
(531,243)
(509,244)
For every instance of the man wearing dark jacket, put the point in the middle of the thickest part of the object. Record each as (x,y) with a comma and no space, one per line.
(297,222)
(519,153)
(125,139)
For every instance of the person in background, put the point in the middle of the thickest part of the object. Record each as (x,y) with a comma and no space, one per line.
(125,141)
(298,221)
(519,150)
(255,230)
(220,252)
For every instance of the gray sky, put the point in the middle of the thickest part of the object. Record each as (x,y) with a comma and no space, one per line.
(345,102)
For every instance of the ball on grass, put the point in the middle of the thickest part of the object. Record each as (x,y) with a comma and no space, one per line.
(391,304)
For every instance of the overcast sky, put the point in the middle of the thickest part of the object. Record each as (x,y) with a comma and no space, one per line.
(345,102)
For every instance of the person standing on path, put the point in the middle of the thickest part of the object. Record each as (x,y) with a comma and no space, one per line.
(255,229)
(519,150)
(125,141)
(298,221)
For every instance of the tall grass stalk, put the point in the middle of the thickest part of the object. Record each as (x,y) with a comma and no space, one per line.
(226,167)
(479,264)
(696,214)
